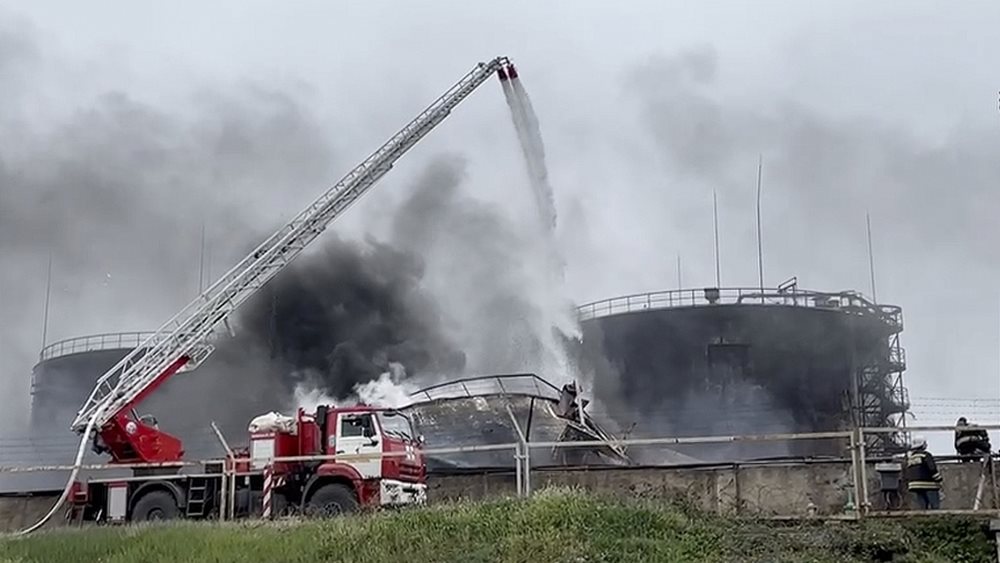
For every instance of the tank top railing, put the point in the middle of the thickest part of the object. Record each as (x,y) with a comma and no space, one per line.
(848,301)
(94,343)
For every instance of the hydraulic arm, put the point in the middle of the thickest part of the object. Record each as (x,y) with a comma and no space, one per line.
(181,343)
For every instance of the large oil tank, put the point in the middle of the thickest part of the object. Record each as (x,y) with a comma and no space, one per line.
(710,362)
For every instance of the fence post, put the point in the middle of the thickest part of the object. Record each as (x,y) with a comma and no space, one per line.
(865,504)
(521,454)
(223,494)
(517,468)
(268,482)
(527,469)
(854,471)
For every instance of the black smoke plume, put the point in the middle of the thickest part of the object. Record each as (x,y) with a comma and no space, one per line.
(341,316)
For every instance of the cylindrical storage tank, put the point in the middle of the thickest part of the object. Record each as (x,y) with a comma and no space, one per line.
(67,372)
(737,362)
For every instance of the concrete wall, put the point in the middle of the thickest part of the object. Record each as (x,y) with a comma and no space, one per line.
(773,489)
(757,489)
(19,512)
(784,489)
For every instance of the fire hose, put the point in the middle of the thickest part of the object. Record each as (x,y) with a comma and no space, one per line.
(77,463)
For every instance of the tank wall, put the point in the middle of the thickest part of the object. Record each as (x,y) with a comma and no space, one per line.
(61,385)
(730,370)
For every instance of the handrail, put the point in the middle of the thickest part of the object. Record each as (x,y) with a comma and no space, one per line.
(469,448)
(94,343)
(848,301)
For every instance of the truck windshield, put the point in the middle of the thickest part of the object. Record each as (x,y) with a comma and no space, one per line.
(396,424)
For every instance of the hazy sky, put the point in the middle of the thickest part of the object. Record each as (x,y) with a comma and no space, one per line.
(646,108)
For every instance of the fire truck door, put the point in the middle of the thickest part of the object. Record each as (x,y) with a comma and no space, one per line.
(357,434)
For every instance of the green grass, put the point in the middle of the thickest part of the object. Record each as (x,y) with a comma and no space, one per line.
(554,526)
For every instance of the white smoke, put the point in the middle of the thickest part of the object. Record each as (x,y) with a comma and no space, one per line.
(307,397)
(389,390)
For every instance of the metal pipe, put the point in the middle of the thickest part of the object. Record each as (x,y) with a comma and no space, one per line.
(951,428)
(222,440)
(695,440)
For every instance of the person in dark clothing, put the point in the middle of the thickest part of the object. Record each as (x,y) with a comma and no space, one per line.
(922,477)
(971,443)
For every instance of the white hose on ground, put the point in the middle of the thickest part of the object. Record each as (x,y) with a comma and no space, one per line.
(72,476)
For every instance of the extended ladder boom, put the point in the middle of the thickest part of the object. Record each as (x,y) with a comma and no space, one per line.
(181,343)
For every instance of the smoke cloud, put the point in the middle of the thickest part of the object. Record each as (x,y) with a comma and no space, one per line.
(451,292)
(116,190)
(343,315)
(119,190)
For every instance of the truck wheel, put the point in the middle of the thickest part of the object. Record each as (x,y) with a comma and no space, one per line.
(332,500)
(155,505)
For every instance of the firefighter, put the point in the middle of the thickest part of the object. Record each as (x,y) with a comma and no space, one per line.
(923,479)
(971,443)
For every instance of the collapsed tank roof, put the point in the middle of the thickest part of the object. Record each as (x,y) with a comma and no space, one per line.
(483,410)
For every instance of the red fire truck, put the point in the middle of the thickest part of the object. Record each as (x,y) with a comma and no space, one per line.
(332,461)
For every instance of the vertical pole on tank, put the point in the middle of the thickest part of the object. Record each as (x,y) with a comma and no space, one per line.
(760,243)
(48,295)
(871,256)
(715,220)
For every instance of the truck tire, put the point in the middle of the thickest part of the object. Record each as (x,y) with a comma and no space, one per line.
(155,505)
(332,500)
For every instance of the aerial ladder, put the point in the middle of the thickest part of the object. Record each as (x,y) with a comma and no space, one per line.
(108,416)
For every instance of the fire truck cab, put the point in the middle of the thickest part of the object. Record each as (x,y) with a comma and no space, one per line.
(381,464)
(333,461)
